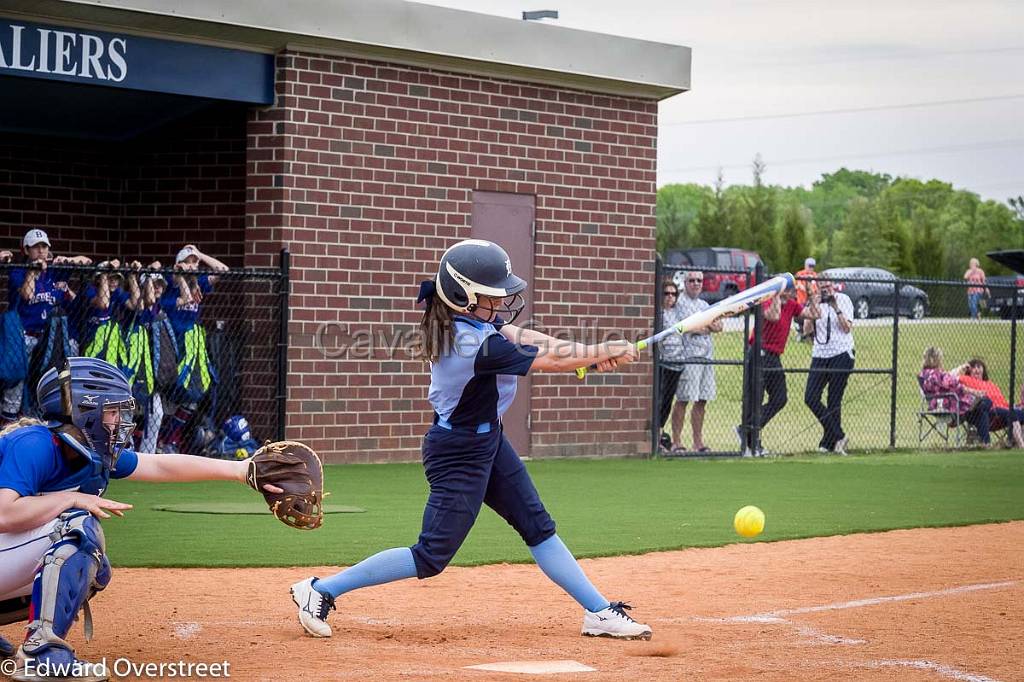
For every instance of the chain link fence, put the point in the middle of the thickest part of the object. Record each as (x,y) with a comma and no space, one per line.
(883,407)
(203,349)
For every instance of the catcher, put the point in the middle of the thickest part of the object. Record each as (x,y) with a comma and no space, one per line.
(53,476)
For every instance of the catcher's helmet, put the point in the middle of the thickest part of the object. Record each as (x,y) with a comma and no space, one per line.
(79,393)
(476,267)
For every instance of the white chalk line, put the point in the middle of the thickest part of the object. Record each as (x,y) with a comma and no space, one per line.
(938,668)
(778,616)
(874,601)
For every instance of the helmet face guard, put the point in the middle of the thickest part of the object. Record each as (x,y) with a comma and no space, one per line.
(508,311)
(119,434)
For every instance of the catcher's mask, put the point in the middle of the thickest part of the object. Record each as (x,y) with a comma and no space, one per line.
(476,268)
(95,397)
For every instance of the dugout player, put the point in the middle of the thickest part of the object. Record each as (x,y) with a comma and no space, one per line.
(35,292)
(475,357)
(52,479)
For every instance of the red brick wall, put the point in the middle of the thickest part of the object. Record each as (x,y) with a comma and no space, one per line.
(69,188)
(183,182)
(366,171)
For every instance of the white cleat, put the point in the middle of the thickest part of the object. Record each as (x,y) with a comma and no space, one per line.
(313,608)
(613,622)
(840,448)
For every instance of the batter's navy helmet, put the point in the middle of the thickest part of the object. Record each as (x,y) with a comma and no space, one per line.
(475,268)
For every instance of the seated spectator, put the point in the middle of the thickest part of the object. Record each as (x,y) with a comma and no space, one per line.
(974,376)
(939,384)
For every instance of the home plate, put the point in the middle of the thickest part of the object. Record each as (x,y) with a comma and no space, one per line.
(534,667)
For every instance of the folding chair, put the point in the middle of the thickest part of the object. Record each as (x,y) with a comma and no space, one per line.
(943,419)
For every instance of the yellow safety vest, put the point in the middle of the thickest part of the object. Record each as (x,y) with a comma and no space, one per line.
(139,364)
(194,358)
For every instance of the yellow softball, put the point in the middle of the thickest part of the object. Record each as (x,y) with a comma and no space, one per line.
(749,521)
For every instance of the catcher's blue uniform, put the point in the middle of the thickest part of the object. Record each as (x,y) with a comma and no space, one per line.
(32,463)
(467,458)
(62,562)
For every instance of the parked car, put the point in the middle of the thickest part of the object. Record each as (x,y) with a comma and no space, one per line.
(1007,290)
(876,298)
(1006,293)
(717,284)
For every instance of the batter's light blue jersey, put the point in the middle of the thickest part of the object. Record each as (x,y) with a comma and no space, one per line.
(475,382)
(32,463)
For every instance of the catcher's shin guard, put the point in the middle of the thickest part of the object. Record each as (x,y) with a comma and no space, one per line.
(71,572)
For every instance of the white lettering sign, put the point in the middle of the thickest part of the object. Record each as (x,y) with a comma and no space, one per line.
(83,56)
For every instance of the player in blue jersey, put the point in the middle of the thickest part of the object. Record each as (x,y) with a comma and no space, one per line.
(105,300)
(34,292)
(181,302)
(475,357)
(53,476)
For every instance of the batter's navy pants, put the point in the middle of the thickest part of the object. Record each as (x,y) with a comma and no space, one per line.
(466,469)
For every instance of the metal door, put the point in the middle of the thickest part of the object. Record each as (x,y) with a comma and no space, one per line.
(508,220)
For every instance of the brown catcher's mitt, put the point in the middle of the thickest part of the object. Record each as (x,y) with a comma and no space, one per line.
(297,470)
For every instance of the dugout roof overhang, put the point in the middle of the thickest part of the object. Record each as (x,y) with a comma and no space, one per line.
(245,34)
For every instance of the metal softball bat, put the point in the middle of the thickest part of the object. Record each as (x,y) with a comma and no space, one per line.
(728,307)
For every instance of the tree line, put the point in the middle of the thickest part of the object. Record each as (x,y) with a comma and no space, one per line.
(847,218)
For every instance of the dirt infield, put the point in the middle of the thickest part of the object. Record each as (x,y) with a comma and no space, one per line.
(929,604)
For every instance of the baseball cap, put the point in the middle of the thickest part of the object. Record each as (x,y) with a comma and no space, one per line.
(152,277)
(185,253)
(810,263)
(35,236)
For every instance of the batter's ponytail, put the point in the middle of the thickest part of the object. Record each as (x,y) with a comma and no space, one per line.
(436,332)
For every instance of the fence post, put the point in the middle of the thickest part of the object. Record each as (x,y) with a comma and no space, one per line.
(282,344)
(756,371)
(655,355)
(898,285)
(1013,348)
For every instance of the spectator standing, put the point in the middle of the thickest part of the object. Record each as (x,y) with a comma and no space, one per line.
(832,358)
(937,384)
(805,284)
(670,355)
(181,302)
(34,291)
(976,277)
(697,380)
(779,314)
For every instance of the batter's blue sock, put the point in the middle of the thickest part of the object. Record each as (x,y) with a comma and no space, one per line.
(558,563)
(383,567)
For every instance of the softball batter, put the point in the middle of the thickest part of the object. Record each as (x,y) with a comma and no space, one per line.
(475,355)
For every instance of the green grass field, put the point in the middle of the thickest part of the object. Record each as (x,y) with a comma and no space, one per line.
(603,507)
(866,405)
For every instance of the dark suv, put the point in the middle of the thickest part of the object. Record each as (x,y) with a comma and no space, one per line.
(1007,298)
(717,285)
(874,298)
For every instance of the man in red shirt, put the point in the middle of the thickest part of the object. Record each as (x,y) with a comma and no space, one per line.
(779,314)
